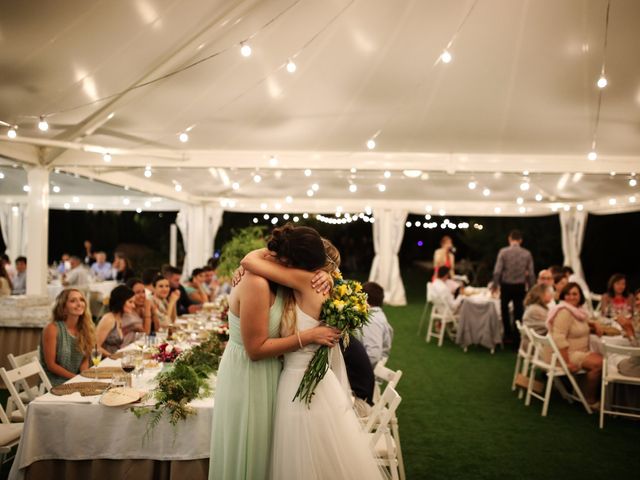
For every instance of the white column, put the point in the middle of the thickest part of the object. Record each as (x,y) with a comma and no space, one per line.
(388,231)
(199,226)
(37,230)
(173,244)
(572,225)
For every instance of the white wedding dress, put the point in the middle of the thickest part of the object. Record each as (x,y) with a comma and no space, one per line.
(325,440)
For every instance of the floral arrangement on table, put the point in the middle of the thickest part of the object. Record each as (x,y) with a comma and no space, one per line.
(167,353)
(221,307)
(347,310)
(222,331)
(187,380)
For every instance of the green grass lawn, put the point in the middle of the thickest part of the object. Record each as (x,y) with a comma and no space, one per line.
(459,418)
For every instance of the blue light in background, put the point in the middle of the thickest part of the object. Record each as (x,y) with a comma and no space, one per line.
(420,243)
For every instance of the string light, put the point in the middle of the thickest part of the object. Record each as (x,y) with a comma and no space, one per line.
(43,125)
(273,161)
(310,193)
(412,173)
(26,188)
(524,186)
(147,204)
(472,185)
(602,82)
(1,176)
(497,210)
(387,174)
(371,144)
(67,206)
(538,197)
(307,172)
(315,187)
(255,220)
(579,207)
(305,215)
(296,219)
(446,57)
(486,192)
(106,157)
(183,137)
(266,216)
(519,200)
(13,132)
(138,210)
(592,155)
(288,199)
(633,182)
(178,187)
(245,50)
(291,67)
(56,189)
(353,188)
(235,186)
(126,201)
(257,178)
(147,171)
(382,187)
(612,201)
(75,199)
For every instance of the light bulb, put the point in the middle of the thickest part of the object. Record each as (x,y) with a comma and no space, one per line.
(381,187)
(472,185)
(497,210)
(522,210)
(291,67)
(266,216)
(315,187)
(486,192)
(126,201)
(602,82)
(612,201)
(593,155)
(353,188)
(106,157)
(147,204)
(178,187)
(632,199)
(43,125)
(56,189)
(13,132)
(26,188)
(138,210)
(407,224)
(519,200)
(296,219)
(307,172)
(1,176)
(273,161)
(257,178)
(67,206)
(255,220)
(183,137)
(579,207)
(309,193)
(633,182)
(245,50)
(285,216)
(538,197)
(305,215)
(412,173)
(288,199)
(371,144)
(387,174)
(524,186)
(446,57)
(147,173)
(235,186)
(75,199)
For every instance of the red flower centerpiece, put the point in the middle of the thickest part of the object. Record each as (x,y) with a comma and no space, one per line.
(167,353)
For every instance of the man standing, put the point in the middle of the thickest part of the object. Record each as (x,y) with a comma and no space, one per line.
(513,273)
(20,279)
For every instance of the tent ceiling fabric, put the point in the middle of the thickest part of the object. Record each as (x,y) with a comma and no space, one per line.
(519,95)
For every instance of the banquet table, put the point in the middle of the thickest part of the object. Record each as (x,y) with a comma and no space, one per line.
(76,437)
(479,322)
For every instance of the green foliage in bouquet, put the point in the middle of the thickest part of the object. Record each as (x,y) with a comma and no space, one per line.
(187,380)
(347,310)
(243,242)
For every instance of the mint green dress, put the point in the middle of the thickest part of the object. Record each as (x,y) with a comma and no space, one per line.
(244,407)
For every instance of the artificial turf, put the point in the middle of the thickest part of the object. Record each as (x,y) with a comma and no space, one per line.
(459,418)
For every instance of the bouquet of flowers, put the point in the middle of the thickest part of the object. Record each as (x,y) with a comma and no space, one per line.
(167,353)
(347,310)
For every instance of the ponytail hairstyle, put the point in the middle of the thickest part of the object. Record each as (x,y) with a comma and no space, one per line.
(86,328)
(289,323)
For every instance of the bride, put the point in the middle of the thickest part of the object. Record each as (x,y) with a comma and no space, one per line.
(323,440)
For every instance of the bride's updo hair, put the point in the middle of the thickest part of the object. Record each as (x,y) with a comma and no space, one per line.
(298,247)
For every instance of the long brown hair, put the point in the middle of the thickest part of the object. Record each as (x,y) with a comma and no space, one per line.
(289,323)
(534,297)
(5,274)
(86,328)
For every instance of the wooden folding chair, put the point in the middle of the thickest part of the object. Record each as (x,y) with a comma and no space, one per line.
(610,374)
(381,439)
(27,393)
(16,409)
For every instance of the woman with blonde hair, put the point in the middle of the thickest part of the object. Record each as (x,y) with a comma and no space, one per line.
(67,340)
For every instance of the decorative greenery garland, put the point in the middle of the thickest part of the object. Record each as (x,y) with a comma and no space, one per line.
(187,380)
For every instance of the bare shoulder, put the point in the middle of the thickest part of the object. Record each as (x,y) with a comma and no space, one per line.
(253,281)
(107,319)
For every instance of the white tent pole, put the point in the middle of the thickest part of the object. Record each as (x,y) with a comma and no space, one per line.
(37,230)
(173,244)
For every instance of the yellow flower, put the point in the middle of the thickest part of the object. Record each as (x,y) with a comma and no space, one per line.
(339,304)
(342,290)
(358,287)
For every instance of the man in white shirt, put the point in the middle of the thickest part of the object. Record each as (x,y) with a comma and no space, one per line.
(78,275)
(440,290)
(377,335)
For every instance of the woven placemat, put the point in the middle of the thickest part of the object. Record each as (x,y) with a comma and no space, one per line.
(102,372)
(86,389)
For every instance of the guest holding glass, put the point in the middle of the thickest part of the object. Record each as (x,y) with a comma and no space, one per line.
(109,334)
(617,302)
(20,279)
(569,326)
(101,269)
(143,318)
(536,309)
(5,282)
(68,339)
(165,301)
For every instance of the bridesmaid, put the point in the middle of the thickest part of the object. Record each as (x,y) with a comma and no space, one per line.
(249,370)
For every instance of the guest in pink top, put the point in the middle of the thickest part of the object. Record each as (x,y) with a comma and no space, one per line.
(618,301)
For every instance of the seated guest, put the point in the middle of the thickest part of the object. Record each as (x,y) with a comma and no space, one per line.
(6,261)
(545,278)
(377,335)
(536,309)
(78,275)
(185,304)
(572,277)
(68,339)
(5,282)
(559,282)
(569,326)
(122,267)
(142,318)
(64,265)
(440,290)
(209,284)
(360,375)
(102,269)
(195,288)
(19,281)
(165,301)
(148,276)
(617,302)
(109,334)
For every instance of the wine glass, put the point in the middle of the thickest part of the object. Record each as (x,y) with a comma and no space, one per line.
(96,356)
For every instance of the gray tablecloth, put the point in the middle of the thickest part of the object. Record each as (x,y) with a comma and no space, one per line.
(479,324)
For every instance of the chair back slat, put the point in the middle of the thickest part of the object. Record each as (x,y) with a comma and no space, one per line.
(19,360)
(620,349)
(381,419)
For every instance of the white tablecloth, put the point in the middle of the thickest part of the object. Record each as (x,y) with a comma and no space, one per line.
(59,427)
(479,322)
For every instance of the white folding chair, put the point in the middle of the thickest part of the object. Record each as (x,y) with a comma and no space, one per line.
(9,436)
(426,311)
(27,393)
(555,369)
(382,442)
(443,314)
(610,374)
(16,409)
(391,378)
(523,357)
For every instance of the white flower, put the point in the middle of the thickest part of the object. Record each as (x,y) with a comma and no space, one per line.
(168,349)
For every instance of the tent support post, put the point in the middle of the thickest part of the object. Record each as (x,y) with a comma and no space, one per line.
(37,230)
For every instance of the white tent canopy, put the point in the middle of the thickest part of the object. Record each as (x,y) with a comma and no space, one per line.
(519,96)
